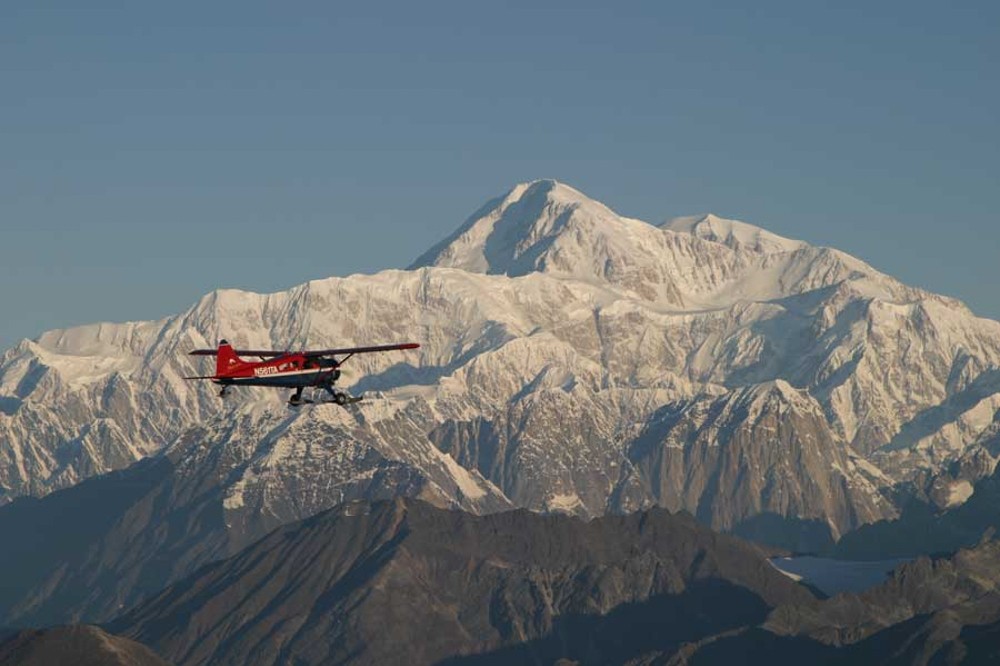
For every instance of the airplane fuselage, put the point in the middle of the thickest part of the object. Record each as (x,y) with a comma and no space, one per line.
(291,371)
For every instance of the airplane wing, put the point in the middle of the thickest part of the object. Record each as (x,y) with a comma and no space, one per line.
(360,350)
(239,352)
(269,353)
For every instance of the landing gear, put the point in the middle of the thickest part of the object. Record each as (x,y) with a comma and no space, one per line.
(332,394)
(341,398)
(224,392)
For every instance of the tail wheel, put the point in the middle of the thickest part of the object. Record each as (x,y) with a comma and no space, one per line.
(340,398)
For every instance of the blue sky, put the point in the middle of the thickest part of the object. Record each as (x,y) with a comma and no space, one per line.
(151,152)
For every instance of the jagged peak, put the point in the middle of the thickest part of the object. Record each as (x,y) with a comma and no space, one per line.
(546,225)
(758,398)
(496,238)
(732,233)
(775,387)
(750,401)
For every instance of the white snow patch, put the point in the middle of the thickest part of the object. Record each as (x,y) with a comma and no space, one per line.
(564,503)
(959,492)
(732,232)
(793,576)
(234,497)
(465,481)
(79,370)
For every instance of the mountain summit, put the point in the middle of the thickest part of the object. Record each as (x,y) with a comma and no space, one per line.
(510,234)
(529,228)
(695,262)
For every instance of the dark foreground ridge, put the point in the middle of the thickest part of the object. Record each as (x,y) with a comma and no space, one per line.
(930,611)
(80,645)
(405,582)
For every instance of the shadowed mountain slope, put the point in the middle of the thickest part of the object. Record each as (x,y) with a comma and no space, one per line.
(924,586)
(943,611)
(922,530)
(405,582)
(86,553)
(79,645)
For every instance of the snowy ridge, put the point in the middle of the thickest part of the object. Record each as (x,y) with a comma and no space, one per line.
(275,466)
(554,333)
(732,233)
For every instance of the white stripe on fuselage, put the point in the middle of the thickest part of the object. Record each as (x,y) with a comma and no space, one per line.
(311,374)
(285,373)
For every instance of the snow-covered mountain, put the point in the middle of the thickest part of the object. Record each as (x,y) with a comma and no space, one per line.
(572,360)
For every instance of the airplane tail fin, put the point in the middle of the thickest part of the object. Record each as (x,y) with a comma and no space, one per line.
(226,360)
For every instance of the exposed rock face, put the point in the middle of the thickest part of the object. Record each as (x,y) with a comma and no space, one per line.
(760,451)
(921,529)
(78,645)
(404,582)
(557,337)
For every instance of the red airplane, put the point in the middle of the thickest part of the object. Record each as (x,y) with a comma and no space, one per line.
(286,369)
